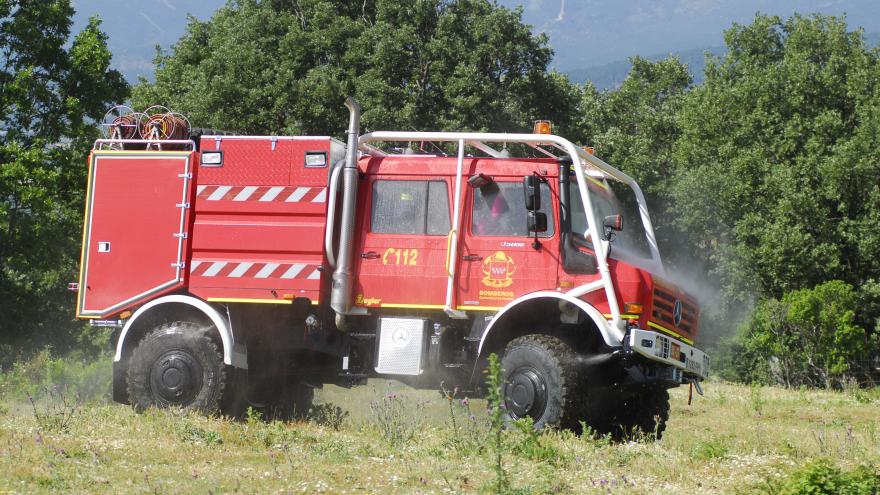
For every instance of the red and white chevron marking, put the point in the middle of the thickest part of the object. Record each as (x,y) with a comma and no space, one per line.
(248,269)
(263,194)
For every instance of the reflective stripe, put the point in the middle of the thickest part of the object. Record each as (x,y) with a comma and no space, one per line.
(262,193)
(245,193)
(670,332)
(297,195)
(480,308)
(241,269)
(266,270)
(272,193)
(214,269)
(253,301)
(256,269)
(321,197)
(624,316)
(293,270)
(411,306)
(219,193)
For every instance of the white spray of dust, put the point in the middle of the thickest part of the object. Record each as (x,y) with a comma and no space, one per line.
(719,317)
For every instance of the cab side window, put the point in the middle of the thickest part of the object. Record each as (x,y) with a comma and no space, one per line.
(410,207)
(499,210)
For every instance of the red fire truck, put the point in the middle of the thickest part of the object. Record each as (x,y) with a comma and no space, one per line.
(244,271)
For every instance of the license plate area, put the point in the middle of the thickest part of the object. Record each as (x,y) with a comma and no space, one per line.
(675,352)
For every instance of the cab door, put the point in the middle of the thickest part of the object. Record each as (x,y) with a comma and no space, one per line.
(401,256)
(499,258)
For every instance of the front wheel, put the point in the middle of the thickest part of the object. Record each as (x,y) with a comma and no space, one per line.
(539,381)
(177,365)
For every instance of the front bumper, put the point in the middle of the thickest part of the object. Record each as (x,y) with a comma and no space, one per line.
(664,349)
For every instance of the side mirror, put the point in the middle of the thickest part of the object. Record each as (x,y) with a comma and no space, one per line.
(613,222)
(532,189)
(478,181)
(537,221)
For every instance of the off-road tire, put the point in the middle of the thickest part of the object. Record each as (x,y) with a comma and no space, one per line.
(540,379)
(177,364)
(643,416)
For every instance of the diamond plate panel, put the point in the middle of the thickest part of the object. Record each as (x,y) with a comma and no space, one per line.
(401,346)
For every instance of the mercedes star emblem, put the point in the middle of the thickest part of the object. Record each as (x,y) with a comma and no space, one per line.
(676,312)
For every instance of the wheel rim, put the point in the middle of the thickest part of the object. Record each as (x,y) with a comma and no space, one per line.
(176,378)
(525,393)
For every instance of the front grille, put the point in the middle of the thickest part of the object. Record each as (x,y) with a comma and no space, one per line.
(664,302)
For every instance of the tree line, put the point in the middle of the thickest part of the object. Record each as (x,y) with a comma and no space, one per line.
(763,178)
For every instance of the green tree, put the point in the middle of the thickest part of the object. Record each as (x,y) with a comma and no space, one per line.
(809,337)
(778,160)
(634,127)
(52,90)
(286,67)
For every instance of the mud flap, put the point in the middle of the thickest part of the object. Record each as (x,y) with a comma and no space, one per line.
(120,387)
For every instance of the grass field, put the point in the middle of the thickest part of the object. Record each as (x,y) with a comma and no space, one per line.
(736,439)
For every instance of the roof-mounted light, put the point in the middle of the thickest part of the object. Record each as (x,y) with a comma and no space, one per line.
(212,158)
(543,127)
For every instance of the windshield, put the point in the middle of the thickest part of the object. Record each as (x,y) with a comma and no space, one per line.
(629,243)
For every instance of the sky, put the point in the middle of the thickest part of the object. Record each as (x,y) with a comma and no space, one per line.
(594,32)
(583,33)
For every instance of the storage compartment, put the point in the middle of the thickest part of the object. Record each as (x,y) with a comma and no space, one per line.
(135,234)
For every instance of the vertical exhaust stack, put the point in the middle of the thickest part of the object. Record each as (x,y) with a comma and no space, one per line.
(340,294)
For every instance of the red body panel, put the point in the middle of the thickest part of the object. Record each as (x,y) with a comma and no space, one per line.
(259,221)
(132,215)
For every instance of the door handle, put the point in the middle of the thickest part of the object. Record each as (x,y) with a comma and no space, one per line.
(472,257)
(370,255)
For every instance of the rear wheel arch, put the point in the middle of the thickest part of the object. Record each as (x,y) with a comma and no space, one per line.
(179,307)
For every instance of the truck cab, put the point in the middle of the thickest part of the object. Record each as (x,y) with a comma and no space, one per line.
(302,261)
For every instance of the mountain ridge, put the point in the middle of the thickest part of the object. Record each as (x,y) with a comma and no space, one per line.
(610,75)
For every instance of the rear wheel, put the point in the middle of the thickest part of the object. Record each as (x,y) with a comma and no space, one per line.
(177,365)
(539,381)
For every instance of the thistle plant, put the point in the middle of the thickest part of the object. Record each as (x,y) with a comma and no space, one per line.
(495,400)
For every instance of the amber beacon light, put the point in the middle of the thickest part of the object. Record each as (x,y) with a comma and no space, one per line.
(543,127)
